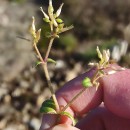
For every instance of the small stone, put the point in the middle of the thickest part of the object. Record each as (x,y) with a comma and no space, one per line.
(26,118)
(40,100)
(3,92)
(60,64)
(17,92)
(7,99)
(37,88)
(27,107)
(47,93)
(35,123)
(70,75)
(22,127)
(24,84)
(26,74)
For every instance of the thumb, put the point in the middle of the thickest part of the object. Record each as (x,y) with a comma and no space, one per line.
(116,91)
(64,127)
(49,123)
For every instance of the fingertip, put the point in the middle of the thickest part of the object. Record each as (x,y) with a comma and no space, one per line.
(64,127)
(116,88)
(48,121)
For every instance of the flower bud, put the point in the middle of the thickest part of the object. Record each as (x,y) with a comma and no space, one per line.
(99,53)
(106,55)
(59,20)
(50,2)
(46,20)
(32,29)
(59,10)
(38,35)
(50,9)
(45,15)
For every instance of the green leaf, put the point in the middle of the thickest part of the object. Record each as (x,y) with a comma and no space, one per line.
(38,63)
(86,82)
(51,60)
(69,115)
(47,110)
(58,20)
(49,103)
(48,106)
(60,26)
(46,20)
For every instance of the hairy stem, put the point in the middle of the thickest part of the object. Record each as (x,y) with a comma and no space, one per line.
(51,26)
(94,76)
(50,85)
(76,96)
(44,65)
(49,48)
(38,53)
(73,99)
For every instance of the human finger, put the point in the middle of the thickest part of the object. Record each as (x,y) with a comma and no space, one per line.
(64,127)
(102,119)
(116,91)
(91,97)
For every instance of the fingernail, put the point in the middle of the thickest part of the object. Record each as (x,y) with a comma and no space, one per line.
(64,127)
(48,121)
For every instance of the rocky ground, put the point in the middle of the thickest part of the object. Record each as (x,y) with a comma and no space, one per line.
(23,86)
(20,83)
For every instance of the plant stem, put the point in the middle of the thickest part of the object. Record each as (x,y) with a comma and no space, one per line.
(48,50)
(76,96)
(44,65)
(50,85)
(51,26)
(94,76)
(38,53)
(73,99)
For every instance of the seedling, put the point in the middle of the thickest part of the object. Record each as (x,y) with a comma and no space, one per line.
(57,27)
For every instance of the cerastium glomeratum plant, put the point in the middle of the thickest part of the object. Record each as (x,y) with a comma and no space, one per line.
(57,27)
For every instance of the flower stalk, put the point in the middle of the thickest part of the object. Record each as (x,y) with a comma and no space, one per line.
(55,27)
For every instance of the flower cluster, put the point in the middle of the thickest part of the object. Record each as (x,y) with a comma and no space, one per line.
(104,59)
(56,23)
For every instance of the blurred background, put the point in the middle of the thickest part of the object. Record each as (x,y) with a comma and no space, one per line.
(23,87)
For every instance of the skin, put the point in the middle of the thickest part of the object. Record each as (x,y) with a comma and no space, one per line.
(108,106)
